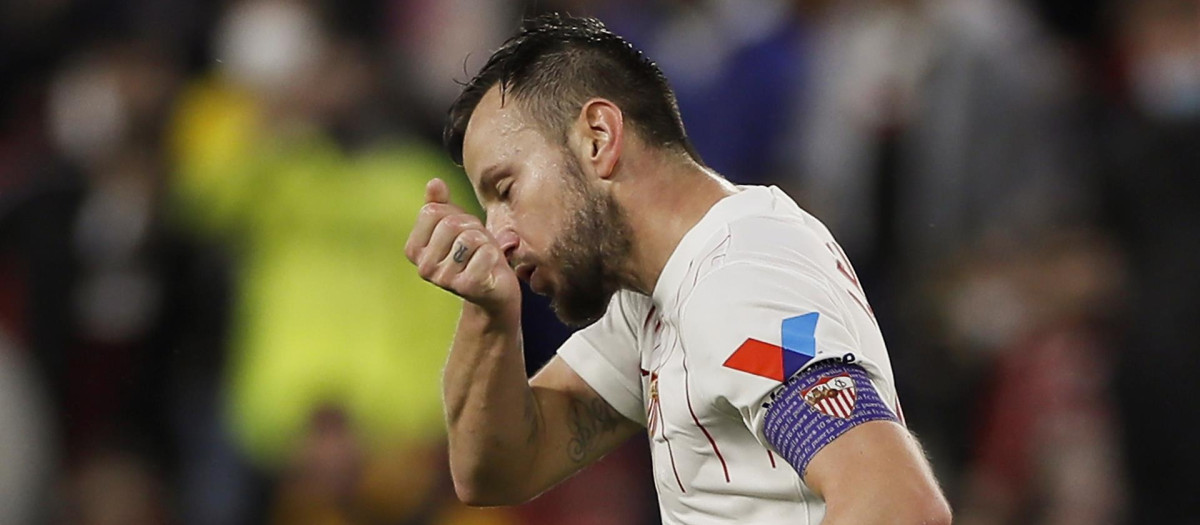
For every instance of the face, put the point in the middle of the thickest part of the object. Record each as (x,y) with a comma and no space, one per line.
(563,235)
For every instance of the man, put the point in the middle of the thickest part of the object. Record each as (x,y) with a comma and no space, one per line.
(725,321)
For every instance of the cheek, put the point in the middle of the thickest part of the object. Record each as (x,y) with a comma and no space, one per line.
(535,234)
(542,222)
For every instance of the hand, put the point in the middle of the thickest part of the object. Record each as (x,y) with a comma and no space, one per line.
(454,250)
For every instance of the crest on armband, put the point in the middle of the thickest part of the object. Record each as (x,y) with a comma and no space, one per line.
(834,396)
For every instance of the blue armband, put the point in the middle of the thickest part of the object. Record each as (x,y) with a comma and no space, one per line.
(817,406)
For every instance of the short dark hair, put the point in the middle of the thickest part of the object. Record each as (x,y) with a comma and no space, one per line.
(557,62)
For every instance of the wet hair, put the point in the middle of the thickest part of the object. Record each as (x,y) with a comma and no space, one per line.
(557,62)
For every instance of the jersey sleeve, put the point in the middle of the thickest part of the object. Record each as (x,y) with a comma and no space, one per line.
(606,356)
(750,328)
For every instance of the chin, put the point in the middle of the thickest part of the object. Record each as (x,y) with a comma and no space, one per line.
(580,311)
(577,321)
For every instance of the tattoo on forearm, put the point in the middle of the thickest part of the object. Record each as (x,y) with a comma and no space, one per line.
(460,253)
(588,421)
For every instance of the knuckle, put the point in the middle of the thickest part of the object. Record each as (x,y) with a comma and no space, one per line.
(473,238)
(452,226)
(430,211)
(441,227)
(441,279)
(427,269)
(410,250)
(490,253)
(472,221)
(462,221)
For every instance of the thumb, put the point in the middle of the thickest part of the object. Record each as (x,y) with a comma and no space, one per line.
(437,191)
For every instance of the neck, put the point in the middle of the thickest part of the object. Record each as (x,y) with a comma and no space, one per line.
(662,203)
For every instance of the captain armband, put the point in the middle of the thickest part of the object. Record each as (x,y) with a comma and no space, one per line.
(817,406)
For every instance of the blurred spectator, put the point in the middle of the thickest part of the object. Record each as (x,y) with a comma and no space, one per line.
(114,488)
(27,443)
(433,45)
(285,155)
(104,292)
(736,69)
(1046,447)
(931,125)
(1148,153)
(931,129)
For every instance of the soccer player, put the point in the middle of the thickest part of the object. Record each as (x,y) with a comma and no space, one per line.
(723,321)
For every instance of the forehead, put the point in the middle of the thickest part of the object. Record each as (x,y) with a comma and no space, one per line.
(497,134)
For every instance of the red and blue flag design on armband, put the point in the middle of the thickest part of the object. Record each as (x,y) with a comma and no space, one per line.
(779,362)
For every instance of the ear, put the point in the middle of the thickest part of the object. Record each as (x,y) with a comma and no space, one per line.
(601,132)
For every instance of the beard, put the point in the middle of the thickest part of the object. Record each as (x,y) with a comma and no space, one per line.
(592,253)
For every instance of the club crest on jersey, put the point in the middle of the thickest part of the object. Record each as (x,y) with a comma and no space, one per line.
(834,396)
(779,362)
(654,411)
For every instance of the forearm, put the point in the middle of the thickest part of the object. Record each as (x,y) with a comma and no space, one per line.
(491,413)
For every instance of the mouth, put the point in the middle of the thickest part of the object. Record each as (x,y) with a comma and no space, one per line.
(535,276)
(538,282)
(525,271)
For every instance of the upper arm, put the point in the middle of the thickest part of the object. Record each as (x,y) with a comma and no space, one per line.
(830,423)
(575,425)
(876,473)
(779,340)
(751,328)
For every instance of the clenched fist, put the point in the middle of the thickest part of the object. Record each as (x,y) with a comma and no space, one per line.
(454,250)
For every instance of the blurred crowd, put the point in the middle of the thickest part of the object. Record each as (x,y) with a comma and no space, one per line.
(206,316)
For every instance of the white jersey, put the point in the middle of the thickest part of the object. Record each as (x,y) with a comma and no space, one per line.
(697,362)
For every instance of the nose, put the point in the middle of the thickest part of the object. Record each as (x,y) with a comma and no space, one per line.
(501,227)
(508,243)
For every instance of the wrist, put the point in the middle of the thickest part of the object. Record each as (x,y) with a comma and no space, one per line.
(495,322)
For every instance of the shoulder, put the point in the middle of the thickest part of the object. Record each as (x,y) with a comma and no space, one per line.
(742,292)
(773,233)
(767,267)
(761,257)
(778,295)
(787,239)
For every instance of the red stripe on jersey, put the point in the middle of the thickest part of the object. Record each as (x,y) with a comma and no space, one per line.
(711,441)
(672,454)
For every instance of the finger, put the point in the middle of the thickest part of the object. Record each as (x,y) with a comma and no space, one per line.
(478,278)
(464,247)
(459,254)
(441,241)
(427,219)
(447,271)
(437,191)
(447,231)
